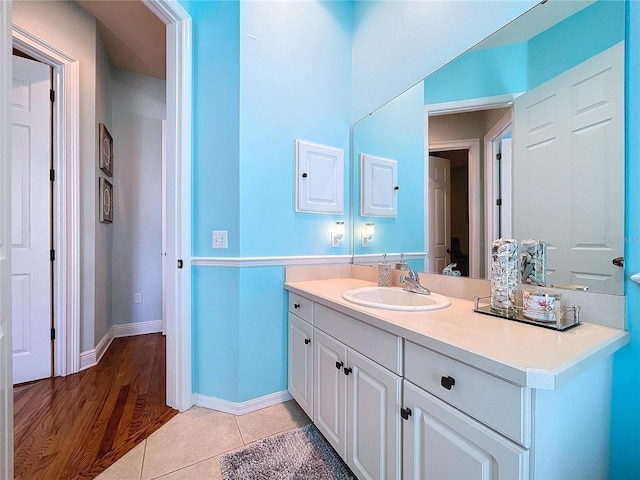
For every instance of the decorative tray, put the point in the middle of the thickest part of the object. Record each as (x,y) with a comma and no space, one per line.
(562,318)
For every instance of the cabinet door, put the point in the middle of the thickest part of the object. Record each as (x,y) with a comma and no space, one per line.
(444,443)
(379,188)
(330,407)
(301,363)
(374,432)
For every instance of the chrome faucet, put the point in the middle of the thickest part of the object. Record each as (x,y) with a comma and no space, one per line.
(411,283)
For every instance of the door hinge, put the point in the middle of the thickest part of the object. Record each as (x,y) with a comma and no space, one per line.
(52,175)
(52,95)
(499,202)
(53,334)
(52,255)
(405,413)
(498,156)
(180,263)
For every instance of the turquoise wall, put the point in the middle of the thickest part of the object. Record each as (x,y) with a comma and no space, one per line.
(496,70)
(265,73)
(216,129)
(625,428)
(395,131)
(295,82)
(576,39)
(522,66)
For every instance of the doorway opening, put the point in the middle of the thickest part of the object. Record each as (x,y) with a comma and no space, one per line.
(459,126)
(457,250)
(66,80)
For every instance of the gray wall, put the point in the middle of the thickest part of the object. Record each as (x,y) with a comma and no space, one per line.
(138,111)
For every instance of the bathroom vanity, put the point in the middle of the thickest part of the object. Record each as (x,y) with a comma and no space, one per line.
(449,393)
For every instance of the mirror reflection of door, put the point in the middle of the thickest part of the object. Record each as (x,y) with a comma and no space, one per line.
(449,240)
(439,205)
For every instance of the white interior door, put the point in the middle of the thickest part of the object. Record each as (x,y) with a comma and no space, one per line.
(6,373)
(569,141)
(30,220)
(439,213)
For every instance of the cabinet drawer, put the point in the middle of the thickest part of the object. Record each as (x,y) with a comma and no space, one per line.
(501,405)
(380,346)
(301,306)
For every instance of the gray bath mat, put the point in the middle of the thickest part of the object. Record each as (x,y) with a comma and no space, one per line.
(296,455)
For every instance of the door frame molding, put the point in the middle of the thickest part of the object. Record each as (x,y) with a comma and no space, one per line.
(473,167)
(6,357)
(178,158)
(66,228)
(490,193)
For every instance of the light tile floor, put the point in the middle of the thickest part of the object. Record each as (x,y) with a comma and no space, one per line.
(189,445)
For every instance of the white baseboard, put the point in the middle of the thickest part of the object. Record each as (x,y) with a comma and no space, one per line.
(92,357)
(141,328)
(240,408)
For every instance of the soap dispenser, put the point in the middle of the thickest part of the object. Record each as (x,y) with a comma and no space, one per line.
(384,272)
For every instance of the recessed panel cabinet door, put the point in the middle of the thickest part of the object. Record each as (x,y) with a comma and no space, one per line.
(374,395)
(444,443)
(379,187)
(301,363)
(330,396)
(319,178)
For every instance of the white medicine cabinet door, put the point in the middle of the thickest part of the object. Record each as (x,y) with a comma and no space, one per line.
(378,186)
(301,363)
(439,441)
(319,178)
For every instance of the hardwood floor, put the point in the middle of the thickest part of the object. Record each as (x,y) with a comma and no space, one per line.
(74,427)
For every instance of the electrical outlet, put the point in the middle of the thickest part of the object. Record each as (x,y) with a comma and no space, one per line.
(219,239)
(138,298)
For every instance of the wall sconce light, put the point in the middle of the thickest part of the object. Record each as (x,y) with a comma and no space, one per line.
(337,234)
(367,234)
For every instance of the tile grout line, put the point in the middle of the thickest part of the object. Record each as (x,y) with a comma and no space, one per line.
(235,419)
(144,454)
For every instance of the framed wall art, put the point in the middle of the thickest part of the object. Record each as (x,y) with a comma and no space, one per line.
(106,201)
(106,150)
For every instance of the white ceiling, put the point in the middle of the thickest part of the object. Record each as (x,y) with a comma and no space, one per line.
(133,36)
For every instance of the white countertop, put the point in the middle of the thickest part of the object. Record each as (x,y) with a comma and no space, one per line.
(526,355)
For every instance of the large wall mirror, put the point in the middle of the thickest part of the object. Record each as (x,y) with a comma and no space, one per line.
(520,137)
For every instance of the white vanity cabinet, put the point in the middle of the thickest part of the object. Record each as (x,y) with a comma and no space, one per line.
(440,440)
(356,408)
(462,423)
(356,388)
(398,404)
(300,351)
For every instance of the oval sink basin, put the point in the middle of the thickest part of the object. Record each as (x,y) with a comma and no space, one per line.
(391,298)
